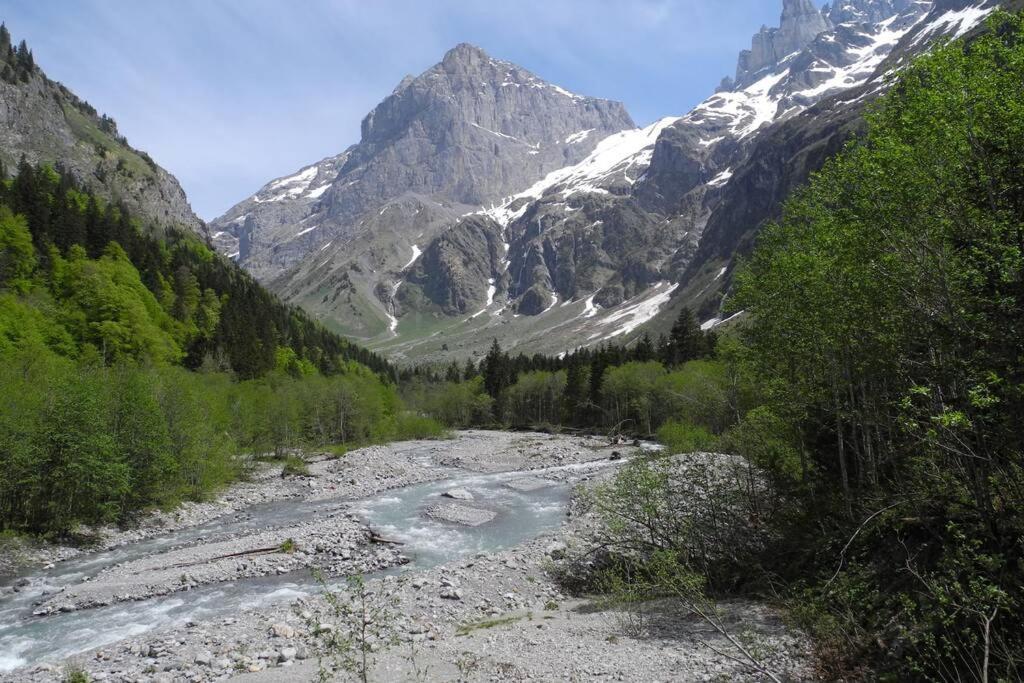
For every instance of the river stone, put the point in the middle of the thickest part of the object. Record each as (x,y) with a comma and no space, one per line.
(458,494)
(460,514)
(282,631)
(527,484)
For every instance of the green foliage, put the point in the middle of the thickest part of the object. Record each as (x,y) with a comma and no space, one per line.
(408,426)
(767,441)
(887,306)
(110,308)
(536,398)
(294,466)
(17,256)
(99,420)
(683,437)
(75,674)
(457,405)
(358,619)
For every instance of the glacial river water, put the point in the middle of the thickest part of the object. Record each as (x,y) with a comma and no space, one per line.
(27,639)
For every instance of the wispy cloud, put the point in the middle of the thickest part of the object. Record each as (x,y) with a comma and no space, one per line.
(227,94)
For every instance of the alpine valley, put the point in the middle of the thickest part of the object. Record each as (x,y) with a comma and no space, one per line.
(483,202)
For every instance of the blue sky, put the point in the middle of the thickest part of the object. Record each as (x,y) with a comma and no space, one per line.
(228,94)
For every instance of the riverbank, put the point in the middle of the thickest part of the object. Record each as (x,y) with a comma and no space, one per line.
(487,615)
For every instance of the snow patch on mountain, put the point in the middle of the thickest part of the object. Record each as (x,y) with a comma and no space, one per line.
(637,311)
(615,154)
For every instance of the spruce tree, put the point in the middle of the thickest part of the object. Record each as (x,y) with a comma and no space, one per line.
(5,42)
(495,369)
(644,350)
(574,397)
(453,374)
(686,339)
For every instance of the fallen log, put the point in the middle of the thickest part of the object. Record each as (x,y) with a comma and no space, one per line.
(257,551)
(377,538)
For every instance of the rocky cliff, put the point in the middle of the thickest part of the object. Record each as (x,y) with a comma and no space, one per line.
(44,122)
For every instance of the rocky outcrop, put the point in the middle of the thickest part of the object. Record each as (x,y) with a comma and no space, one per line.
(801,21)
(46,123)
(457,270)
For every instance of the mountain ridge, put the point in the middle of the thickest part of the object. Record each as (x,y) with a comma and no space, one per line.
(600,246)
(44,122)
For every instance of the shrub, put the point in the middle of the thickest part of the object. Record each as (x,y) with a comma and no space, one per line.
(682,437)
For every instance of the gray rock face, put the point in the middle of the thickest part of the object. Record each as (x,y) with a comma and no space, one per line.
(465,133)
(471,129)
(801,21)
(48,124)
(457,269)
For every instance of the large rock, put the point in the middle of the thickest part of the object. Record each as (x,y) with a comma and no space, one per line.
(458,494)
(460,514)
(527,484)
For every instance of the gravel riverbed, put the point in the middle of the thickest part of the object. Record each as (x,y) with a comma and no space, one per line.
(485,616)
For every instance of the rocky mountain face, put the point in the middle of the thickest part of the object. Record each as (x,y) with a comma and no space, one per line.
(485,203)
(463,134)
(44,122)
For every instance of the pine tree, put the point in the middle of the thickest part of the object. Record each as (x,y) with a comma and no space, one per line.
(644,350)
(686,339)
(470,371)
(574,396)
(5,42)
(453,374)
(495,369)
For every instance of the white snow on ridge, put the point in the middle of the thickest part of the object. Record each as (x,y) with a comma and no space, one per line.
(615,153)
(303,232)
(959,22)
(304,177)
(747,110)
(715,322)
(318,192)
(865,61)
(494,132)
(491,291)
(291,187)
(578,137)
(722,178)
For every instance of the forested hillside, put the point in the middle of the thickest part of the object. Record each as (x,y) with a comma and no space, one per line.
(137,370)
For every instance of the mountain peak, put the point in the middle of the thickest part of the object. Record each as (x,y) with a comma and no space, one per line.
(464,54)
(799,24)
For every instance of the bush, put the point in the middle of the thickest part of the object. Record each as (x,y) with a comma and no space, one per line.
(682,437)
(408,426)
(294,466)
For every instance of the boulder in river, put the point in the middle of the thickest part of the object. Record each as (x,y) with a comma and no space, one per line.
(458,494)
(527,484)
(460,514)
